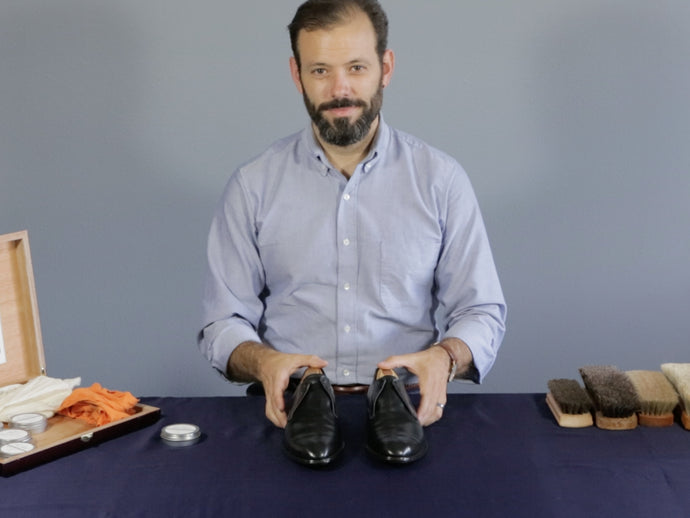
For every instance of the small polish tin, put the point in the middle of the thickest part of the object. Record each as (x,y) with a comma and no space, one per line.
(181,434)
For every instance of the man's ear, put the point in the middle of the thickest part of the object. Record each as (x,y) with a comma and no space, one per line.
(294,72)
(388,65)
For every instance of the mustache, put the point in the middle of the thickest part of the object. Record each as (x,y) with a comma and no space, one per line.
(342,103)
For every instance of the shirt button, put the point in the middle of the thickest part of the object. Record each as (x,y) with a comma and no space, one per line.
(346,372)
(346,242)
(346,286)
(346,197)
(347,329)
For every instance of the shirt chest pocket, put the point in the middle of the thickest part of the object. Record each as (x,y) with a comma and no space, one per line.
(402,271)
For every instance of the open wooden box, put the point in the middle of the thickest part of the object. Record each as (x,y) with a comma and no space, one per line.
(22,358)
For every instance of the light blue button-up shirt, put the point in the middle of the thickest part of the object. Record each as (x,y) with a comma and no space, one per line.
(354,271)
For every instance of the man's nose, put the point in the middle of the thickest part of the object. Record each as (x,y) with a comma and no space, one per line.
(340,86)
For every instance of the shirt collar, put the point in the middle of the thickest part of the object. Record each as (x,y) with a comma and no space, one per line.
(375,153)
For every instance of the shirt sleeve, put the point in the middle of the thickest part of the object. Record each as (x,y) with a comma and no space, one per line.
(231,305)
(471,303)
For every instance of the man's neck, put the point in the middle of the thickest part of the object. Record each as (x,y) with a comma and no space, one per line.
(346,158)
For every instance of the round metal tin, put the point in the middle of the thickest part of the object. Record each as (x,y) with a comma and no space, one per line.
(181,434)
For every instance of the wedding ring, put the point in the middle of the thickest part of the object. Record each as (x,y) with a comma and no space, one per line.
(440,405)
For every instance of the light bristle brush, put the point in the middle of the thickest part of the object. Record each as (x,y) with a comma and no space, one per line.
(569,403)
(679,376)
(657,397)
(614,397)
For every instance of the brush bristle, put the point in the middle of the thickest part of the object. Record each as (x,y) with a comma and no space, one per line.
(611,390)
(570,396)
(679,375)
(655,392)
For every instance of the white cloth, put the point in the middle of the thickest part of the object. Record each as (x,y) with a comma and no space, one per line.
(42,395)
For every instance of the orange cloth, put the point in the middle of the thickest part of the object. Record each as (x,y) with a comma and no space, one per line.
(97,405)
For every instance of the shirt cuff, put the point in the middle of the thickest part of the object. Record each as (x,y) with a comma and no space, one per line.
(481,343)
(219,340)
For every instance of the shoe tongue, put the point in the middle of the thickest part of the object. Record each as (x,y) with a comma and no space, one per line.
(304,388)
(322,381)
(400,392)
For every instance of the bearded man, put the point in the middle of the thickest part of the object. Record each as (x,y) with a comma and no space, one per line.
(350,257)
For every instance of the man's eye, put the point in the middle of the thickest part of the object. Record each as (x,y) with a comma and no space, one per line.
(318,71)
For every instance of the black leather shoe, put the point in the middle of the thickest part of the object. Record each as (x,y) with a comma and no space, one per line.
(312,435)
(394,434)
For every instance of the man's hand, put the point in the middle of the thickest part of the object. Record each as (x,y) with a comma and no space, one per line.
(431,367)
(275,376)
(252,361)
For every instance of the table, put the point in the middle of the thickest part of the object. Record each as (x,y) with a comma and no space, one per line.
(493,455)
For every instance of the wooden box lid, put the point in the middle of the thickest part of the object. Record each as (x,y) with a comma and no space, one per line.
(21,344)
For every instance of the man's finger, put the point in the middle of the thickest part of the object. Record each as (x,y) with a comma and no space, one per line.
(429,410)
(395,362)
(276,416)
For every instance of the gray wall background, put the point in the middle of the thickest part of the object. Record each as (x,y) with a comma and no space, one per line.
(121,120)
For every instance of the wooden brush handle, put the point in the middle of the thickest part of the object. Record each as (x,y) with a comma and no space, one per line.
(616,423)
(568,420)
(656,421)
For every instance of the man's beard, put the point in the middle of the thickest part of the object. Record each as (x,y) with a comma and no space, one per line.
(341,132)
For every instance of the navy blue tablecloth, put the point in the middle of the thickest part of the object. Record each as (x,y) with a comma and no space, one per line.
(493,455)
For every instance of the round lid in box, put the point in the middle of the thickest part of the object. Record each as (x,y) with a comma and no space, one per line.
(32,422)
(15,448)
(14,435)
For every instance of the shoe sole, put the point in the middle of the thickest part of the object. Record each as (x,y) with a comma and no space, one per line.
(391,459)
(315,463)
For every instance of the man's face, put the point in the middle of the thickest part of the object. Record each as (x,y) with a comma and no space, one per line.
(341,79)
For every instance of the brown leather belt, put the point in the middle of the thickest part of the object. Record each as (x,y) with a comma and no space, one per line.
(350,389)
(362,389)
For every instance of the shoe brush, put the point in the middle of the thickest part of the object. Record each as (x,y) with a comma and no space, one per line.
(679,376)
(569,403)
(614,397)
(657,397)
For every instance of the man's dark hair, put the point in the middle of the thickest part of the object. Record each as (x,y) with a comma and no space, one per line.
(324,14)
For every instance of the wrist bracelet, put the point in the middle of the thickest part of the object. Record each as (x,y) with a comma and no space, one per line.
(453,362)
